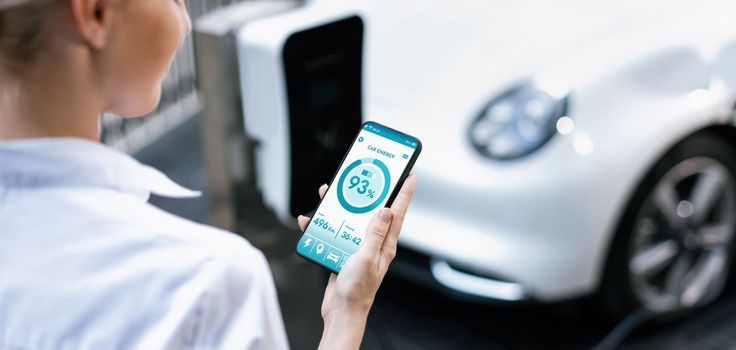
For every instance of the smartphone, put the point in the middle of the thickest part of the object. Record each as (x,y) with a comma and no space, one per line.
(368,179)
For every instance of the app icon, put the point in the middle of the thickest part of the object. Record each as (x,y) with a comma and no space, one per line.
(343,261)
(307,242)
(333,257)
(320,248)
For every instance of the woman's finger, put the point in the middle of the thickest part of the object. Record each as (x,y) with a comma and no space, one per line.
(303,221)
(377,232)
(399,208)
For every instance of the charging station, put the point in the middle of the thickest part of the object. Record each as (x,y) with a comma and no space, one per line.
(301,74)
(228,151)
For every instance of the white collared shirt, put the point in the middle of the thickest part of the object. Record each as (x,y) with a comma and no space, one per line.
(87,263)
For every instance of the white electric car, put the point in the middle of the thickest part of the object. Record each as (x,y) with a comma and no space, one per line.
(570,147)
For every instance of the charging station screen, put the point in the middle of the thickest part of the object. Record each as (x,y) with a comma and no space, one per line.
(363,184)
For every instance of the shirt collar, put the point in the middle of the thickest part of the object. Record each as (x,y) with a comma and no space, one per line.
(81,163)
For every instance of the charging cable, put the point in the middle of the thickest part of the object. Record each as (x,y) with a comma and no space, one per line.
(622,330)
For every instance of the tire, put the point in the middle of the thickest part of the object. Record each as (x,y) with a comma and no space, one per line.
(674,244)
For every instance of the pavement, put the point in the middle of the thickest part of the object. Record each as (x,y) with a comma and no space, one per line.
(410,316)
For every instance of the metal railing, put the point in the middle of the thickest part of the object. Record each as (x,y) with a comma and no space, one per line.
(179,98)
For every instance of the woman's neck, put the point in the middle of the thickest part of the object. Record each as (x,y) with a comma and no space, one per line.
(54,97)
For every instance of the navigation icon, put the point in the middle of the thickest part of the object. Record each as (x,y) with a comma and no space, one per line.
(320,248)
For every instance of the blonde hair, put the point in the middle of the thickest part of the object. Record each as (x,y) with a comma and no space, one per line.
(21,31)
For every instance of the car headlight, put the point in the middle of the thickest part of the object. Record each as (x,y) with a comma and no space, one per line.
(519,121)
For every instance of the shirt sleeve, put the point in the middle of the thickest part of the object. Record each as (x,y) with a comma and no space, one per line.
(241,310)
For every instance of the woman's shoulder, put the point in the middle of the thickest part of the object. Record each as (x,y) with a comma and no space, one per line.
(147,229)
(167,229)
(226,258)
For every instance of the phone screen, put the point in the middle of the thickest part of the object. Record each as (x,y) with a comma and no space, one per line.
(378,160)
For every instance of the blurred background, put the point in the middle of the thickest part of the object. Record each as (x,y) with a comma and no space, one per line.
(578,178)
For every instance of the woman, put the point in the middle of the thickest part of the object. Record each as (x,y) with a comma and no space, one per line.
(85,261)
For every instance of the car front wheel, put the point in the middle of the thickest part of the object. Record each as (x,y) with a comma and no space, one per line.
(674,245)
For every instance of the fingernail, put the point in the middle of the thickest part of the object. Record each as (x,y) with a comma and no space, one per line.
(385,215)
(300,217)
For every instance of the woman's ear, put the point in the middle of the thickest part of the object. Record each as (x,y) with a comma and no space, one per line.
(92,20)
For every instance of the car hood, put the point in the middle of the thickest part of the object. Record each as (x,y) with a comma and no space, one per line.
(432,64)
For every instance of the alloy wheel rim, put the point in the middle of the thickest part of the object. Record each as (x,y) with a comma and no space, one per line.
(680,247)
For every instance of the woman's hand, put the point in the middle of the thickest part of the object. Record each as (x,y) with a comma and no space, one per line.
(349,295)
